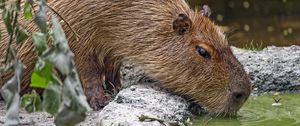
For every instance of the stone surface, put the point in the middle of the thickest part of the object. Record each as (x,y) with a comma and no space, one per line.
(272,69)
(138,100)
(43,118)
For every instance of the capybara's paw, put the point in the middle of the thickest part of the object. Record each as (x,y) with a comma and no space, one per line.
(96,96)
(98,103)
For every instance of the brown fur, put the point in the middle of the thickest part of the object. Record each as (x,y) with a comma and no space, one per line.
(141,31)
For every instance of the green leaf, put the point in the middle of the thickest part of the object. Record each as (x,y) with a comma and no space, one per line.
(52,98)
(7,18)
(5,67)
(62,61)
(61,56)
(27,10)
(38,81)
(41,18)
(2,4)
(42,74)
(59,35)
(73,91)
(75,106)
(40,42)
(68,116)
(21,35)
(31,102)
(10,93)
(18,5)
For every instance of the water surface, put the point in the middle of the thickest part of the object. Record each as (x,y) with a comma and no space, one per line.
(258,111)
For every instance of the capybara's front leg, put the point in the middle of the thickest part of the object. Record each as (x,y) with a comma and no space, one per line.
(112,74)
(92,76)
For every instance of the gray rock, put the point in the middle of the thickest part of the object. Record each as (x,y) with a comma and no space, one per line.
(272,69)
(138,100)
(130,74)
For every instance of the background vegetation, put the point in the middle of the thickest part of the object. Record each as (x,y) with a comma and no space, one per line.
(260,22)
(64,99)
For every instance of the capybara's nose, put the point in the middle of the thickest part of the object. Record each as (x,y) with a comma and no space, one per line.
(238,96)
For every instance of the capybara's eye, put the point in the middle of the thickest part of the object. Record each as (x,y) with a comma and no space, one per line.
(202,52)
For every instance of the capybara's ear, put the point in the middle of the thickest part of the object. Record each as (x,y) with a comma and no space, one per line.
(182,24)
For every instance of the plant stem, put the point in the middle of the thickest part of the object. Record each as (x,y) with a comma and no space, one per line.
(14,30)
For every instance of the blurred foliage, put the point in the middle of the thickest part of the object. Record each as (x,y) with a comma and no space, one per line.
(64,99)
(266,22)
(253,46)
(31,102)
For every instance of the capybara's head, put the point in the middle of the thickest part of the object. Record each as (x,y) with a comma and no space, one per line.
(199,63)
(214,77)
(182,49)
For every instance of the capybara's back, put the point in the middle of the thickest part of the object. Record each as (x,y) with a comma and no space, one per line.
(181,48)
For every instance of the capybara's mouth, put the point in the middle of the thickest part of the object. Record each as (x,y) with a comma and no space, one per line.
(204,111)
(228,108)
(233,105)
(226,112)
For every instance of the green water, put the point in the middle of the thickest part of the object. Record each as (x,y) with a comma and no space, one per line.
(258,111)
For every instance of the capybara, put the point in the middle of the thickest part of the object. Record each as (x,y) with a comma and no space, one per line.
(180,47)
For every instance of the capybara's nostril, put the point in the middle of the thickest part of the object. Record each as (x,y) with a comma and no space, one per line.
(238,96)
